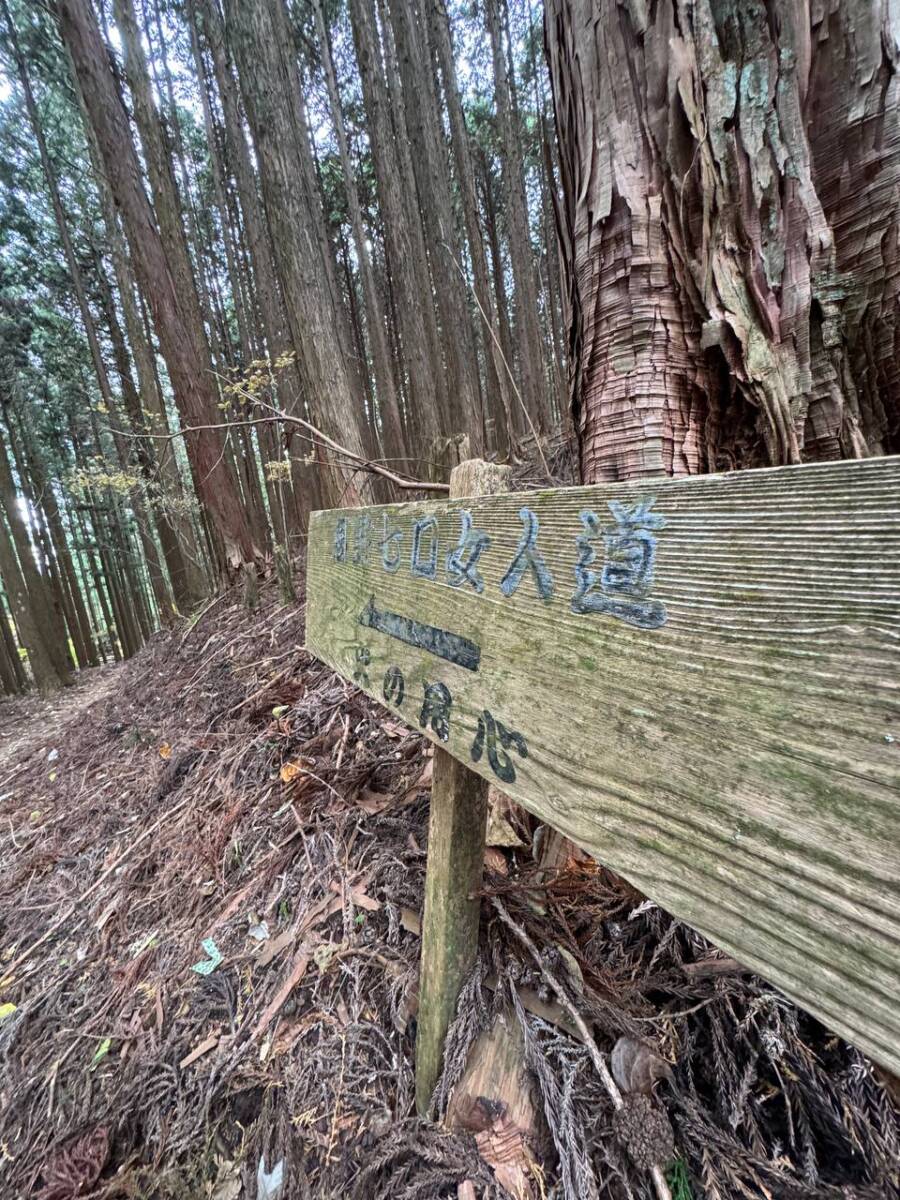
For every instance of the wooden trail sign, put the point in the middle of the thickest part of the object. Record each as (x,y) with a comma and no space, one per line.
(696,680)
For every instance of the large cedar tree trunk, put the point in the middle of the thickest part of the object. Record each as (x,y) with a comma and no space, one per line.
(729,229)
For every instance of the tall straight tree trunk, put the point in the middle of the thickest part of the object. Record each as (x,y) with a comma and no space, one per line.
(262,47)
(305,483)
(498,271)
(500,400)
(75,276)
(122,604)
(54,560)
(385,389)
(62,550)
(422,124)
(162,124)
(176,534)
(141,450)
(41,627)
(100,592)
(12,676)
(406,258)
(124,455)
(549,248)
(730,230)
(219,191)
(163,271)
(49,498)
(554,268)
(170,205)
(527,325)
(160,583)
(47,675)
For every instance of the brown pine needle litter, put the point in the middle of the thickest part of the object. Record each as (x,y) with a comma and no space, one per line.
(210,962)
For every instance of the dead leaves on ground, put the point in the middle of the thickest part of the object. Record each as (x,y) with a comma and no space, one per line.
(75,1167)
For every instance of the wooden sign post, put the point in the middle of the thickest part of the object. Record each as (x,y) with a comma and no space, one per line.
(456,837)
(696,680)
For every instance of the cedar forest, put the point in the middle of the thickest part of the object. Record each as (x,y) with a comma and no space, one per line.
(264,258)
(384,294)
(268,258)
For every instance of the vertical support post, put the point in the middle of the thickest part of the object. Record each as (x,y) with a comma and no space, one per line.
(456,833)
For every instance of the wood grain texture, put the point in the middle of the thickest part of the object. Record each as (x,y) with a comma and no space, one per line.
(450,922)
(738,763)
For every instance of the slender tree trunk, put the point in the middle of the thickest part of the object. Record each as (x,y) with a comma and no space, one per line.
(101,590)
(422,123)
(76,612)
(33,632)
(12,676)
(46,497)
(554,270)
(731,192)
(219,191)
(528,331)
(136,450)
(55,564)
(48,567)
(549,258)
(164,147)
(122,605)
(267,72)
(406,258)
(42,628)
(499,274)
(385,390)
(176,534)
(162,124)
(500,399)
(305,488)
(164,272)
(159,581)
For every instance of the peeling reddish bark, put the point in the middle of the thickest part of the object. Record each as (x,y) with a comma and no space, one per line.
(730,228)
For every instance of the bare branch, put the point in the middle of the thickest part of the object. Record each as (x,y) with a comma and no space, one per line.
(319,438)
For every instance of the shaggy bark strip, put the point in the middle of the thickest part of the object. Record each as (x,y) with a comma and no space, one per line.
(730,230)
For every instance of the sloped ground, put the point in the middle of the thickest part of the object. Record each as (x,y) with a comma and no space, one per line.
(27,722)
(223,787)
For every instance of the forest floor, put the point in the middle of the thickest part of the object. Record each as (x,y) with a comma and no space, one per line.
(32,721)
(211,870)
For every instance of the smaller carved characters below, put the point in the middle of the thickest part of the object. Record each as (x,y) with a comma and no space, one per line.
(394,687)
(363,657)
(435,713)
(494,737)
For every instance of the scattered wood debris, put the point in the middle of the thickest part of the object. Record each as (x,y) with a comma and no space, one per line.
(125,1072)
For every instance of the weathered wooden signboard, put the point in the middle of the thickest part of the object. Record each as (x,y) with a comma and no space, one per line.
(695,680)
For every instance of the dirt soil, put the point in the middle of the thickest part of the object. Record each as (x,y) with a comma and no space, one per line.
(31,722)
(211,870)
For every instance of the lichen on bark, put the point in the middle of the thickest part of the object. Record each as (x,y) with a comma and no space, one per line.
(731,173)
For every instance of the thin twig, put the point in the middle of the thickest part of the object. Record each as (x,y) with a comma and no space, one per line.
(277,416)
(332,1137)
